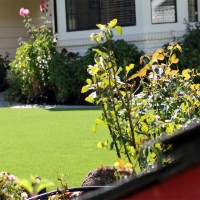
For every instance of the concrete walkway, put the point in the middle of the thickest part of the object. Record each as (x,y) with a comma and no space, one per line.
(6,104)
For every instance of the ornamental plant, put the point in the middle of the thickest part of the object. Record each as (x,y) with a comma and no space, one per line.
(4,66)
(138,117)
(67,76)
(190,46)
(10,189)
(189,57)
(124,52)
(30,68)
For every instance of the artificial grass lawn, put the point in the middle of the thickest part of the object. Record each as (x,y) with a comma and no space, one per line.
(43,142)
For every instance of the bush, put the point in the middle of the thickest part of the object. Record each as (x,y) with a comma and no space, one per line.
(138,121)
(67,76)
(68,71)
(190,56)
(124,53)
(42,75)
(4,66)
(30,68)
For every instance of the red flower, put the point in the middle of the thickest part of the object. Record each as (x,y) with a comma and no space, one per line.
(64,51)
(70,55)
(42,5)
(42,8)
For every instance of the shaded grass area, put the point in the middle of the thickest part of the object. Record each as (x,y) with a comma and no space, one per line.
(43,142)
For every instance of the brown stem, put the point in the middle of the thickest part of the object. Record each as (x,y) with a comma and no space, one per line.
(110,130)
(112,96)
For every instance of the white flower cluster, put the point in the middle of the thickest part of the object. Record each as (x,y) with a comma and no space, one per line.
(8,183)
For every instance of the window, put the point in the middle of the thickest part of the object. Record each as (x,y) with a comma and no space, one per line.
(192,11)
(163,11)
(85,14)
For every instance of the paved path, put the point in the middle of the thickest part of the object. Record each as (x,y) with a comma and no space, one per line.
(6,104)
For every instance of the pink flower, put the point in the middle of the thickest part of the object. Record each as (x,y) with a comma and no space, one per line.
(24,195)
(171,32)
(42,8)
(194,27)
(24,12)
(12,178)
(42,5)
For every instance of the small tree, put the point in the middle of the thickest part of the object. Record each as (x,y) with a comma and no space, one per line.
(138,121)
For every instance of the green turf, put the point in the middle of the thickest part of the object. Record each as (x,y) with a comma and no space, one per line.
(43,142)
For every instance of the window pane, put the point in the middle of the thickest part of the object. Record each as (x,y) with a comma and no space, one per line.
(122,10)
(85,14)
(82,14)
(163,11)
(192,11)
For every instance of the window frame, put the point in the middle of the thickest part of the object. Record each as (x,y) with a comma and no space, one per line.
(196,11)
(176,20)
(99,9)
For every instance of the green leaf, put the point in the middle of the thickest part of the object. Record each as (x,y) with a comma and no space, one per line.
(84,89)
(118,29)
(100,145)
(144,127)
(159,155)
(128,68)
(100,53)
(26,184)
(104,83)
(44,183)
(119,70)
(158,146)
(95,69)
(137,168)
(98,121)
(123,93)
(89,99)
(117,107)
(106,143)
(89,81)
(94,128)
(99,25)
(113,23)
(105,106)
(170,128)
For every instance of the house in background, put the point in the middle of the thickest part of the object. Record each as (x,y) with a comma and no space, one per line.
(147,23)
(11,23)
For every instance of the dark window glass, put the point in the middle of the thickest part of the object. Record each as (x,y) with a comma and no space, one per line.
(85,14)
(192,11)
(163,11)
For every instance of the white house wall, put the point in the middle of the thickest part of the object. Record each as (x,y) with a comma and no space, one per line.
(145,35)
(11,23)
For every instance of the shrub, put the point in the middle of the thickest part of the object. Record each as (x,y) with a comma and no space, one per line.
(190,56)
(9,188)
(4,66)
(124,53)
(137,122)
(67,76)
(30,68)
